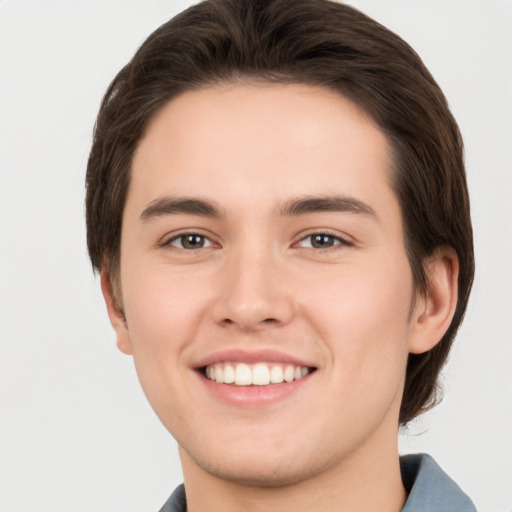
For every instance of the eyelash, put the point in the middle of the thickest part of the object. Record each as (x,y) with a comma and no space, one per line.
(183,236)
(336,241)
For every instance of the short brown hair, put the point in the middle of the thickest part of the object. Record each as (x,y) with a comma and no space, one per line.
(314,42)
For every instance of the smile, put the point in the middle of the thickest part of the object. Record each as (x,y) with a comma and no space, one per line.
(259,374)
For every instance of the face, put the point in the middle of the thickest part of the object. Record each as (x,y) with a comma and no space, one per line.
(264,281)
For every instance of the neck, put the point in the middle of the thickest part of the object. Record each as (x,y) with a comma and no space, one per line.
(364,481)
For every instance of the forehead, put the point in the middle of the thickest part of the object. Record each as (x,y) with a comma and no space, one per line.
(247,142)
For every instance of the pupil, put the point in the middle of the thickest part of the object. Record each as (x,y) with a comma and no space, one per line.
(320,241)
(193,241)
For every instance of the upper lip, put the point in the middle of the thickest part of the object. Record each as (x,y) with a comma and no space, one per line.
(250,357)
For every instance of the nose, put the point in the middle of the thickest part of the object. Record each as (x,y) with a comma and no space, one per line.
(253,294)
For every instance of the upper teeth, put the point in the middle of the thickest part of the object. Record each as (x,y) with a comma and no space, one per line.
(260,374)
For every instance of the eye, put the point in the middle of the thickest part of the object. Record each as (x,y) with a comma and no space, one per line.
(190,241)
(321,241)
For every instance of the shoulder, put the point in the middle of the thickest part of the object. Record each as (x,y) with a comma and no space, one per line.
(177,501)
(430,489)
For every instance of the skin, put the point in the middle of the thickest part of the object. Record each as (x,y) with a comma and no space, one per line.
(348,310)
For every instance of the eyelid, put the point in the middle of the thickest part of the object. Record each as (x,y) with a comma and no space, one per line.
(171,237)
(344,240)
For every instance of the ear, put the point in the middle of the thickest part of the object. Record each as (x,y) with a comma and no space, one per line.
(434,311)
(115,313)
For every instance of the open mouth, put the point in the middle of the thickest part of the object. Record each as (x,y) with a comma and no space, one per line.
(259,374)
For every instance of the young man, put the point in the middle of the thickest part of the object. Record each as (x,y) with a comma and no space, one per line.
(277,205)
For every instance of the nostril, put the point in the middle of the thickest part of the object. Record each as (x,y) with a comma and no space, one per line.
(266,322)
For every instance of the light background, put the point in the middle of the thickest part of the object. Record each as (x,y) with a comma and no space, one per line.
(76,433)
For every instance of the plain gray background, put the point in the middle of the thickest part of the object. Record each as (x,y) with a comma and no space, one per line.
(76,433)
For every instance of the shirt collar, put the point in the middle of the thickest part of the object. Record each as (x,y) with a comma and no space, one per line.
(429,489)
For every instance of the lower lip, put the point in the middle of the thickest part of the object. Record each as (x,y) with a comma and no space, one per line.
(254,396)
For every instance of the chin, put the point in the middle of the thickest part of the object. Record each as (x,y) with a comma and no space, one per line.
(261,470)
(262,476)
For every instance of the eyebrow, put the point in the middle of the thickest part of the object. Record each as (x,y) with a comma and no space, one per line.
(316,204)
(293,207)
(184,205)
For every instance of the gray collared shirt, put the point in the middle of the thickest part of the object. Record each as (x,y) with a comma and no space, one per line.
(429,489)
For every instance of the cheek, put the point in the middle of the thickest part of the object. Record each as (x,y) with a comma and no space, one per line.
(363,316)
(163,311)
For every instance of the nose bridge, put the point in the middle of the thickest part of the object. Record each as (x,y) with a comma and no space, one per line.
(254,294)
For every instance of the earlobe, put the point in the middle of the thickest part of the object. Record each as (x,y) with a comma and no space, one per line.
(115,313)
(434,311)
